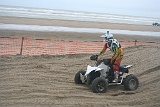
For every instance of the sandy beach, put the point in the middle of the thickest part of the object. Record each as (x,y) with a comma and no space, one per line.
(78,24)
(47,80)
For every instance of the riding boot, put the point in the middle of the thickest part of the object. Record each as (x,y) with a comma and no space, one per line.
(116,74)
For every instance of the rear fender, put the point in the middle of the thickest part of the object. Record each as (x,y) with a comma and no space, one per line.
(128,66)
(124,69)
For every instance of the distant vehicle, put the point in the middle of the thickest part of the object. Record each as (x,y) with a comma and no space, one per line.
(156,24)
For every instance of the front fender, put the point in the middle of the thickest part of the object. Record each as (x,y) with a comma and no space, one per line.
(90,69)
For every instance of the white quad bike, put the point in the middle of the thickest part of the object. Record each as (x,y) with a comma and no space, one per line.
(101,76)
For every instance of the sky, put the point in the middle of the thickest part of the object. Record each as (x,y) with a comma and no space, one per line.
(146,8)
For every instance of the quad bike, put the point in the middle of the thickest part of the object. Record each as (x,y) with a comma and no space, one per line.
(101,76)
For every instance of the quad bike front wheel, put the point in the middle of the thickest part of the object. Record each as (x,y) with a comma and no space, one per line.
(99,85)
(77,79)
(131,82)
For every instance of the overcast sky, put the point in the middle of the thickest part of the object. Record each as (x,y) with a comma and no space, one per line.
(147,8)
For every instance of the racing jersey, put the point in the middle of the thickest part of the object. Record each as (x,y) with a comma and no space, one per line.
(115,47)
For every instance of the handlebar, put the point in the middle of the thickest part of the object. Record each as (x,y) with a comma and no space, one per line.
(95,58)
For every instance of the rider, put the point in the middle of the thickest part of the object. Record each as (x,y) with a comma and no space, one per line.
(115,47)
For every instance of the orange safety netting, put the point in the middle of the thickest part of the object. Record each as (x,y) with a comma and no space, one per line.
(29,46)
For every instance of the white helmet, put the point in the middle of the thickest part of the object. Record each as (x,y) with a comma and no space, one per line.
(108,37)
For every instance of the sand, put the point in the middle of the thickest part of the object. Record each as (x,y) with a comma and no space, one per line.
(48,81)
(78,24)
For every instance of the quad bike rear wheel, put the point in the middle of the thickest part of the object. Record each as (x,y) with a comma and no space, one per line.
(99,85)
(131,82)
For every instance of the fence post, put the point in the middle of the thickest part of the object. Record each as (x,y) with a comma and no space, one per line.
(135,42)
(21,46)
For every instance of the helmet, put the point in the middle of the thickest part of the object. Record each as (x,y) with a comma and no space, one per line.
(108,37)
